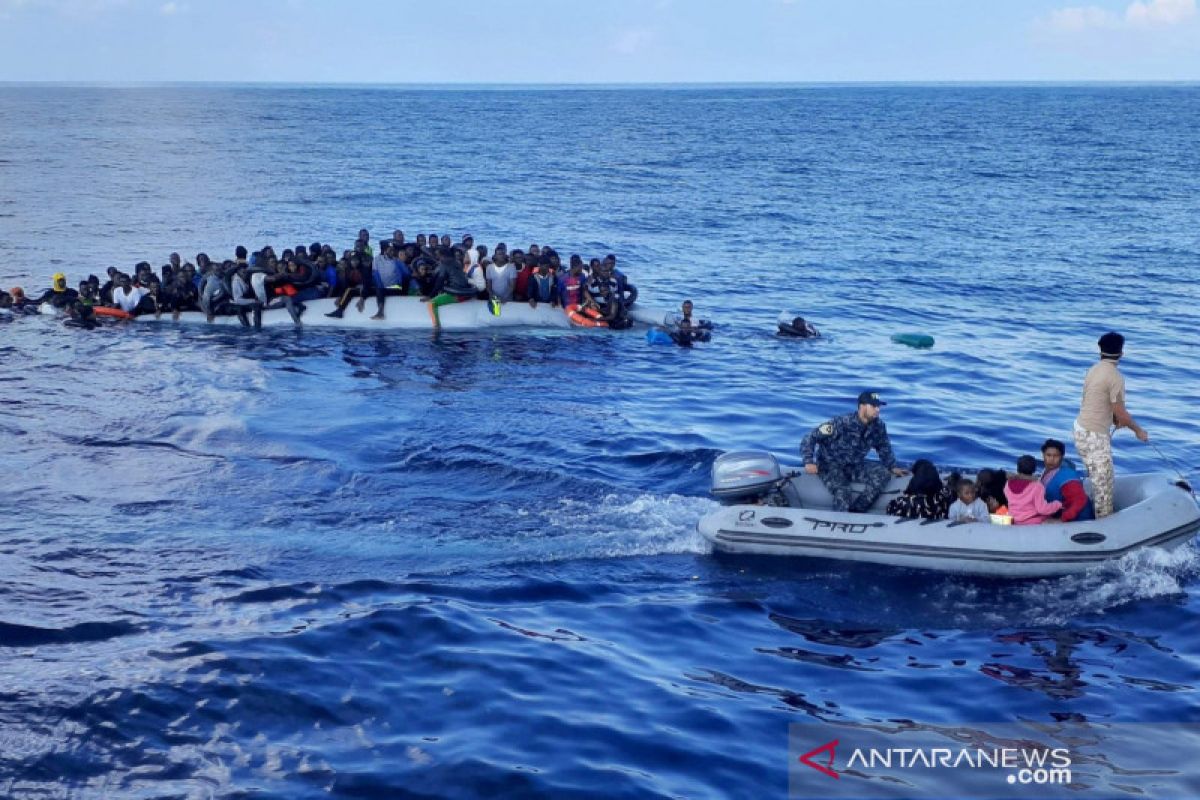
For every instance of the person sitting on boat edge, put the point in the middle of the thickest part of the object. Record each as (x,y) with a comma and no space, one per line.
(1063,483)
(424,278)
(925,497)
(968,507)
(357,282)
(243,301)
(572,290)
(1026,497)
(391,276)
(450,285)
(612,312)
(627,293)
(837,451)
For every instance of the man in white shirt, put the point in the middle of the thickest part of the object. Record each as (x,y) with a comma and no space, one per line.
(501,275)
(126,296)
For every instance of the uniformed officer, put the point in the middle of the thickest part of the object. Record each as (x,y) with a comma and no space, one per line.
(837,451)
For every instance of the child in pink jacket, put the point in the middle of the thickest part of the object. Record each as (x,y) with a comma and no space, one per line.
(1027,497)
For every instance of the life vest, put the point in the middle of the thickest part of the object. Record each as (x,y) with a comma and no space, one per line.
(585,317)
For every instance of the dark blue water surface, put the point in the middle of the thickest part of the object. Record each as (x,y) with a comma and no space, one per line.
(297,564)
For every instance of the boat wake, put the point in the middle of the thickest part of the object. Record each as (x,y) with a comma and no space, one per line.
(617,527)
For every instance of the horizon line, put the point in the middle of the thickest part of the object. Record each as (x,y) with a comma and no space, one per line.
(597,85)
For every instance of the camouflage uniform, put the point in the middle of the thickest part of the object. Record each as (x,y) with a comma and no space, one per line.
(839,448)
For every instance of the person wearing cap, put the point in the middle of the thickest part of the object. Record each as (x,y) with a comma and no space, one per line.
(837,452)
(1102,405)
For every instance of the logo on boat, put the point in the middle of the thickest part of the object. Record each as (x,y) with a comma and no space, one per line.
(841,527)
(745,518)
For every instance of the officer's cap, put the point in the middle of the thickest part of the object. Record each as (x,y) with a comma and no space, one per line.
(870,398)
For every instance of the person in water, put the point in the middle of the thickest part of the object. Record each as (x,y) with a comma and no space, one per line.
(80,316)
(925,497)
(968,507)
(798,327)
(59,294)
(1026,496)
(1062,483)
(837,451)
(1102,405)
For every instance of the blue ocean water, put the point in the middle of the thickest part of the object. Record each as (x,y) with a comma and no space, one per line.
(307,564)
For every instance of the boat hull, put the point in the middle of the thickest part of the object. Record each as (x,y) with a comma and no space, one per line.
(408,313)
(1153,513)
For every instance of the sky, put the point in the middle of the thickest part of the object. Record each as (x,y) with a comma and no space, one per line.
(598,41)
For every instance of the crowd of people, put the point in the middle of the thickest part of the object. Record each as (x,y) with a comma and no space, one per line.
(593,293)
(836,451)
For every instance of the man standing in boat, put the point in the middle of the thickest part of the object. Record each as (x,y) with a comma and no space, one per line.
(1103,405)
(837,451)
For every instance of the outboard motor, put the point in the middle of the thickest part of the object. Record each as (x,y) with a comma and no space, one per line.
(746,476)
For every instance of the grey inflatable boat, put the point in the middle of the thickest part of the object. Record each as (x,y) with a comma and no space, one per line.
(768,513)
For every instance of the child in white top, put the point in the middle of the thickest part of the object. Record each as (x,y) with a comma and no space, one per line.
(968,507)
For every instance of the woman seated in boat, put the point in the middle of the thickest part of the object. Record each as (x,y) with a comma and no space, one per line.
(925,497)
(1063,483)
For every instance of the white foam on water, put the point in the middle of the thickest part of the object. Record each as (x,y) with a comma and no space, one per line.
(617,527)
(1141,575)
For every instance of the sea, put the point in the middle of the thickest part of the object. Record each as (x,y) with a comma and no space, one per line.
(387,564)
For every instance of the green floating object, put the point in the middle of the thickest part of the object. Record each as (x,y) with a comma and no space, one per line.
(919,340)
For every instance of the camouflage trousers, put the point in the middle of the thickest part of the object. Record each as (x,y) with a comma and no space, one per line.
(838,477)
(1095,449)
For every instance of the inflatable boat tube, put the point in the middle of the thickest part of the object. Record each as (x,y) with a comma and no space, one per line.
(775,515)
(407,313)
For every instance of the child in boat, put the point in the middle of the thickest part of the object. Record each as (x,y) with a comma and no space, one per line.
(1026,496)
(968,507)
(925,497)
(995,507)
